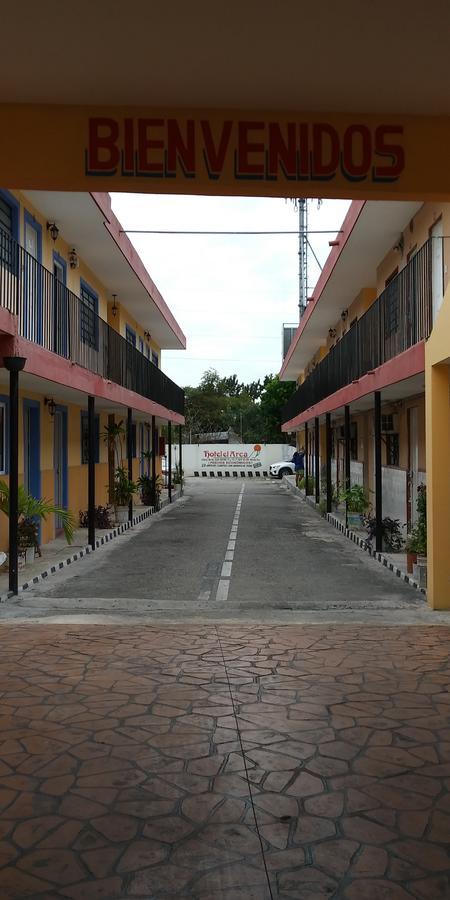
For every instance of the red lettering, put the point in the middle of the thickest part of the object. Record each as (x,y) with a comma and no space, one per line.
(103,153)
(325,160)
(215,158)
(395,152)
(353,169)
(128,147)
(303,165)
(179,149)
(246,147)
(282,152)
(146,144)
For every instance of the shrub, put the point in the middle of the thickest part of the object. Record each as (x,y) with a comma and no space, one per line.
(102,517)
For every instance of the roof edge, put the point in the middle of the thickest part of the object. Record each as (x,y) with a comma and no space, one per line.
(350,220)
(114,227)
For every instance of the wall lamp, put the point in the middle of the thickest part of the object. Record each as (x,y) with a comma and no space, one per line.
(147,335)
(332,332)
(51,405)
(53,229)
(400,245)
(344,315)
(114,307)
(73,259)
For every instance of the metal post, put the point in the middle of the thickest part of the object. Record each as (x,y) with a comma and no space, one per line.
(130,457)
(154,449)
(180,456)
(169,438)
(14,365)
(306,459)
(347,476)
(317,457)
(328,442)
(378,475)
(91,472)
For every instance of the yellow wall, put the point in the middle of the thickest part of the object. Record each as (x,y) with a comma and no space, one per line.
(437,388)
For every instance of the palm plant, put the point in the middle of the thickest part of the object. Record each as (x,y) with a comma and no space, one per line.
(30,508)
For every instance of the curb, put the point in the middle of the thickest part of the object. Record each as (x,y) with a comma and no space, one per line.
(356,539)
(85,551)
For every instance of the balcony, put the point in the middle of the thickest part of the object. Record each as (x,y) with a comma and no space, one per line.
(399,318)
(52,316)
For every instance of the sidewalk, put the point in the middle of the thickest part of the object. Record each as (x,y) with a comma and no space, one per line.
(58,553)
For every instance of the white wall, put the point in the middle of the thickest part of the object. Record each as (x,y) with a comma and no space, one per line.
(233,457)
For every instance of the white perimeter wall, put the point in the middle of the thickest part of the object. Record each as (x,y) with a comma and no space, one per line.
(233,457)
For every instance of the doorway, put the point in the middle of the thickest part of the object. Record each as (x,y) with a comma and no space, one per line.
(437,267)
(32,312)
(32,447)
(60,462)
(413,465)
(60,307)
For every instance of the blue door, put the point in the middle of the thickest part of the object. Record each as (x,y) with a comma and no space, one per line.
(60,461)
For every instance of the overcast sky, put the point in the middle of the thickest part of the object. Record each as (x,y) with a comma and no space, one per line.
(230,294)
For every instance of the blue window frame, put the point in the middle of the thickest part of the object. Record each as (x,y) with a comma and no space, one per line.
(155,359)
(130,335)
(147,351)
(88,315)
(141,346)
(9,230)
(85,439)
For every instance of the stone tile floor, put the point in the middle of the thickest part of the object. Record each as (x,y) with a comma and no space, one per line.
(228,762)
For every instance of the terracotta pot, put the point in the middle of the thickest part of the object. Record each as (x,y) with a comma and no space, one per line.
(411,559)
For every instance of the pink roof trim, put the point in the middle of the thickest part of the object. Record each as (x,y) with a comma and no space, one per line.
(103,201)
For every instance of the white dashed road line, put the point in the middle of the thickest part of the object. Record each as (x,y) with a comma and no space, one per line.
(224,582)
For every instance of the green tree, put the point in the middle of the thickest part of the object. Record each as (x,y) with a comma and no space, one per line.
(274,395)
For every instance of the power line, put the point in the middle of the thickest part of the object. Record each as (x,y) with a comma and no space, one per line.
(173,231)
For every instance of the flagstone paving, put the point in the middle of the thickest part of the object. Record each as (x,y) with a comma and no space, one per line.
(301,762)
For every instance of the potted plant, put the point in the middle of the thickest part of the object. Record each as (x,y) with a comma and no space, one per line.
(178,477)
(411,550)
(420,566)
(357,504)
(150,493)
(28,539)
(124,489)
(30,511)
(391,532)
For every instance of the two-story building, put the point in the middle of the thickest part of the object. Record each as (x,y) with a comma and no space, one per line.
(358,357)
(81,312)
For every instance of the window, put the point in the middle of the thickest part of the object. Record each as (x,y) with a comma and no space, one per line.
(130,335)
(84,439)
(141,346)
(88,316)
(392,450)
(155,359)
(387,422)
(147,351)
(9,227)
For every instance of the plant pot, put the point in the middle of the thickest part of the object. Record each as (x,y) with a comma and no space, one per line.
(420,571)
(29,556)
(411,559)
(354,520)
(122,514)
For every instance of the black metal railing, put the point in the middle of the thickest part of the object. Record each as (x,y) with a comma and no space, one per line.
(399,318)
(54,317)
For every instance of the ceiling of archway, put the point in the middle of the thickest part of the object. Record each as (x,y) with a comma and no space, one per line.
(354,56)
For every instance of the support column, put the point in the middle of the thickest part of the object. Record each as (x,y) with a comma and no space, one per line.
(347,475)
(306,458)
(438,484)
(111,460)
(378,475)
(14,365)
(91,472)
(130,457)
(154,448)
(328,457)
(169,438)
(180,455)
(317,457)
